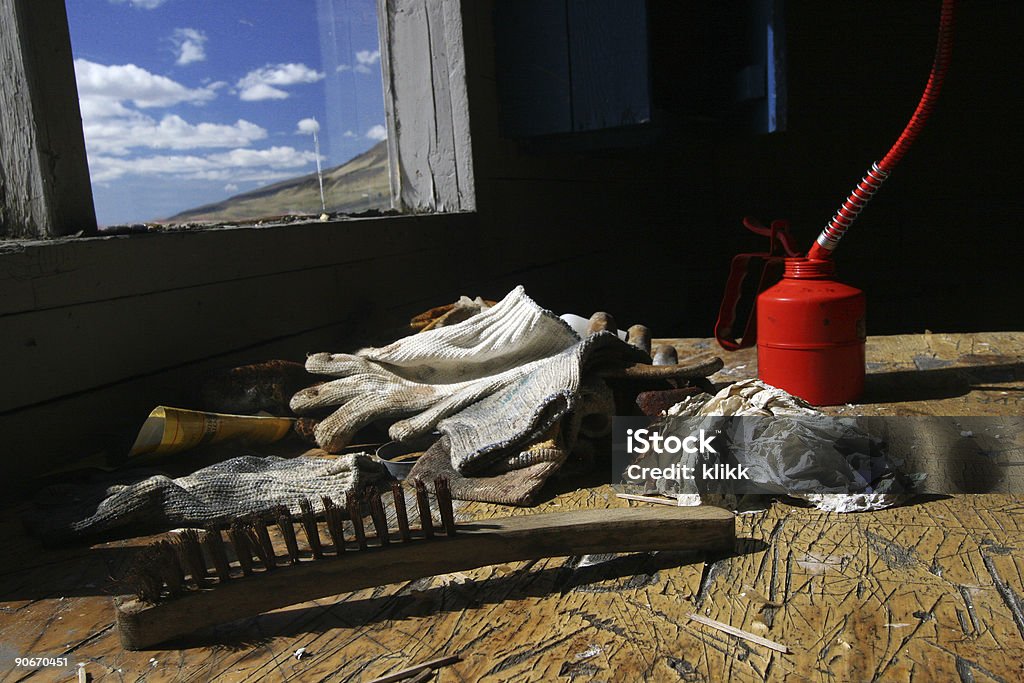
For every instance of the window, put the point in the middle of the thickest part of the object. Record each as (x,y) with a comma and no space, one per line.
(170,124)
(225,112)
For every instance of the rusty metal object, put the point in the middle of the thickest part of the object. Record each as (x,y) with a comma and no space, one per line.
(640,337)
(601,322)
(253,388)
(653,403)
(449,314)
(642,371)
(305,429)
(665,355)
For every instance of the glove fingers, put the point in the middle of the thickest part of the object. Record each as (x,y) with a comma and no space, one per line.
(430,415)
(392,400)
(335,431)
(513,332)
(340,391)
(339,365)
(336,392)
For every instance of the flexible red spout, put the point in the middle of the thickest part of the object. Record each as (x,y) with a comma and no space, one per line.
(829,238)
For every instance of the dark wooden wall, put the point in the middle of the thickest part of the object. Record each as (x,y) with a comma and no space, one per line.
(96,332)
(659,213)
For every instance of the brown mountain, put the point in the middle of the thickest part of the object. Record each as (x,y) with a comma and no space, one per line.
(359,184)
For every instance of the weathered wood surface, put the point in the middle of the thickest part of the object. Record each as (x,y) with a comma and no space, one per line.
(44,176)
(928,591)
(427,105)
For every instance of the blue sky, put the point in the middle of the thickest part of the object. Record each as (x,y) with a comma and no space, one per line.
(186,102)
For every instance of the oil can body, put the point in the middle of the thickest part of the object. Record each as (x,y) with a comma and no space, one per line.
(810,334)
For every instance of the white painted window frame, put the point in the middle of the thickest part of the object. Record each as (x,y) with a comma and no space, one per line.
(426,105)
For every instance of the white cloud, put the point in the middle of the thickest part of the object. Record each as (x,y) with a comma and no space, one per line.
(190,45)
(308,126)
(119,134)
(235,166)
(259,84)
(349,134)
(141,4)
(113,100)
(113,127)
(127,82)
(231,187)
(365,59)
(377,133)
(262,91)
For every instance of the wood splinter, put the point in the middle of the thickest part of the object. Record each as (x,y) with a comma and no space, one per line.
(414,672)
(740,633)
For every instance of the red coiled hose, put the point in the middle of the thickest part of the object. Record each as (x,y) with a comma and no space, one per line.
(829,238)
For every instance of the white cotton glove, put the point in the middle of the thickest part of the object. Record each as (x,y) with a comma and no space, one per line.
(434,374)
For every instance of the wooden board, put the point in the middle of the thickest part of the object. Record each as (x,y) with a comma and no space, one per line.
(432,166)
(928,591)
(44,174)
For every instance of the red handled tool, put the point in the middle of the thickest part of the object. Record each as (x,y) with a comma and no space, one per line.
(809,328)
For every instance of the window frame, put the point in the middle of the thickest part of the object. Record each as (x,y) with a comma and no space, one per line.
(45,190)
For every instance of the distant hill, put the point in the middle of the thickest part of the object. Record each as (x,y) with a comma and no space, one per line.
(359,184)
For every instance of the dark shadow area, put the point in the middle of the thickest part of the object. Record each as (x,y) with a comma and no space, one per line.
(938,383)
(586,573)
(953,455)
(38,573)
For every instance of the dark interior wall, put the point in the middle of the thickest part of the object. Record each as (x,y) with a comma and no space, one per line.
(606,220)
(654,219)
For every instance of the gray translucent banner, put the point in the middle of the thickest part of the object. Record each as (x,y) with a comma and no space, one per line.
(819,455)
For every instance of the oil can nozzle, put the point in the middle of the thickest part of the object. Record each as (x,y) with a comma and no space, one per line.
(829,238)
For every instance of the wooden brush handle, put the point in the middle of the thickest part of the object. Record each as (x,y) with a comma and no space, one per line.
(477,544)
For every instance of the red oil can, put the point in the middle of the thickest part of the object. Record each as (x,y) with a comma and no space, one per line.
(810,334)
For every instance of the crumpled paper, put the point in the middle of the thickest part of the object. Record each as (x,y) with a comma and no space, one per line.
(830,462)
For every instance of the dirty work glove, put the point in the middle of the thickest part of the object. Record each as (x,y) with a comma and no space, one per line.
(515,475)
(494,435)
(429,376)
(213,495)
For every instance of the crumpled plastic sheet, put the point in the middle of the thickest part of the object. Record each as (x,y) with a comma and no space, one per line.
(827,461)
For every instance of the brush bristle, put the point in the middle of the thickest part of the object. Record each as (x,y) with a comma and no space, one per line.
(445,506)
(310,527)
(243,550)
(286,525)
(256,530)
(401,514)
(423,503)
(214,544)
(335,524)
(355,515)
(144,577)
(170,568)
(174,576)
(378,517)
(192,556)
(263,534)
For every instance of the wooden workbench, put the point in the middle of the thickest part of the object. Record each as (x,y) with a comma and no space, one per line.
(929,591)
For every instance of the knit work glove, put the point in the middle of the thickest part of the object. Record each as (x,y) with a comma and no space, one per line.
(422,379)
(213,495)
